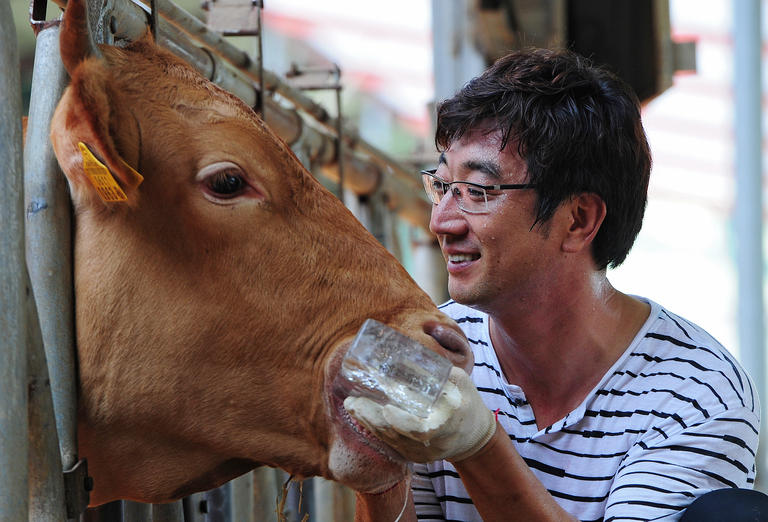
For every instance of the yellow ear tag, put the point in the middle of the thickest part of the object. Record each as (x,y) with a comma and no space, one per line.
(100,177)
(138,178)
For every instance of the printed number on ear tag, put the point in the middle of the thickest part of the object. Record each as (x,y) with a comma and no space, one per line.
(100,177)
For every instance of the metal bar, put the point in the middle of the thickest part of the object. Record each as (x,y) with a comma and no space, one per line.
(241,501)
(47,501)
(49,239)
(266,491)
(136,512)
(260,57)
(749,204)
(153,16)
(171,512)
(14,467)
(339,133)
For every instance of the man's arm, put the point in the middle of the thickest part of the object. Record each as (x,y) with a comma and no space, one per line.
(501,484)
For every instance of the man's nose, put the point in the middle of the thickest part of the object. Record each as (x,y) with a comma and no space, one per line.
(446,217)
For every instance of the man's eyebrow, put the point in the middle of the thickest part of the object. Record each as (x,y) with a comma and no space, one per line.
(490,168)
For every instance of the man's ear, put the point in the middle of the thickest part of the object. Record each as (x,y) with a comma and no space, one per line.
(83,143)
(587,212)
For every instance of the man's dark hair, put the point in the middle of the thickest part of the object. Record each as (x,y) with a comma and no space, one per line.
(578,128)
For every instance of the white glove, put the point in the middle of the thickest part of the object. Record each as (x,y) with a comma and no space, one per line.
(458,426)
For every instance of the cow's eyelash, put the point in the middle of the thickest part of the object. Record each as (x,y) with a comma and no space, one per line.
(226,184)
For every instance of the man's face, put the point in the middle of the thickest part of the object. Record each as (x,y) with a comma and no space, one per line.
(496,256)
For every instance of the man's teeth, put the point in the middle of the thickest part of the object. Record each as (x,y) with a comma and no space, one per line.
(460,258)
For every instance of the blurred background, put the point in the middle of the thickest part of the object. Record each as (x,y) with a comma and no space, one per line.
(397,58)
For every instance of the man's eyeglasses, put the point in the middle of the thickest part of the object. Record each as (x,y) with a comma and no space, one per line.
(472,198)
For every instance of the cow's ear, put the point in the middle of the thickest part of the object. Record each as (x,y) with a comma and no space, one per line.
(81,134)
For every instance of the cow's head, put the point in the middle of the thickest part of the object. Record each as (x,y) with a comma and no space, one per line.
(216,295)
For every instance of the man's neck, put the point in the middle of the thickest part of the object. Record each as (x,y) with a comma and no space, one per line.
(557,350)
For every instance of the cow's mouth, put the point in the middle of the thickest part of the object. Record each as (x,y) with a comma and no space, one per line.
(367,438)
(355,435)
(357,457)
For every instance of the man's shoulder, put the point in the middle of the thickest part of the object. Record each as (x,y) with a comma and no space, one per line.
(667,333)
(674,349)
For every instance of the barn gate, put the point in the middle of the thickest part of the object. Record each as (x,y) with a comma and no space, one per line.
(42,477)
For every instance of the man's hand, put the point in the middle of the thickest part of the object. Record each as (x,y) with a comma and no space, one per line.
(458,426)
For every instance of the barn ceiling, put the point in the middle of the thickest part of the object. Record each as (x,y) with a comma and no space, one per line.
(631,37)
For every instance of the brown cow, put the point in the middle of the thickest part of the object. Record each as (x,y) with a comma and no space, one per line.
(215,301)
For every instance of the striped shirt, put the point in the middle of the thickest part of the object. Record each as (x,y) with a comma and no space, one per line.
(676,416)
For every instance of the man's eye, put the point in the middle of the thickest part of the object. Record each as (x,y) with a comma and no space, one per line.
(476,193)
(226,184)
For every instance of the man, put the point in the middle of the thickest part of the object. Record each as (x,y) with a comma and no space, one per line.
(607,406)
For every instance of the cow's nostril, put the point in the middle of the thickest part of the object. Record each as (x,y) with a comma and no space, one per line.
(453,342)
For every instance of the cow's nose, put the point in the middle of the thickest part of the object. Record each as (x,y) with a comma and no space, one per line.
(454,343)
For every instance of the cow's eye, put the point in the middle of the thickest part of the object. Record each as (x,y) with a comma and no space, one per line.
(226,184)
(223,181)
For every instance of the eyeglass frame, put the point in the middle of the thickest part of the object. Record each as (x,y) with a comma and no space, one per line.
(484,188)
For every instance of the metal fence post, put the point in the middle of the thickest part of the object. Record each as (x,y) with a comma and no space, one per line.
(14,505)
(171,512)
(47,502)
(242,498)
(48,233)
(266,489)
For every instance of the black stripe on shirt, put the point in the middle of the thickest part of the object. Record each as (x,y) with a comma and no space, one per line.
(648,504)
(452,498)
(467,319)
(653,488)
(609,414)
(699,451)
(710,474)
(598,434)
(673,393)
(725,438)
(682,344)
(440,473)
(743,421)
(668,477)
(584,455)
(577,498)
(558,472)
(488,367)
(685,332)
(654,358)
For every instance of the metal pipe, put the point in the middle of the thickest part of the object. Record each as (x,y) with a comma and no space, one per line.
(241,498)
(14,433)
(331,501)
(749,204)
(47,502)
(171,512)
(266,490)
(49,239)
(136,511)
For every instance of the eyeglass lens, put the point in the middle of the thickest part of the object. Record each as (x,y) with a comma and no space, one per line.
(470,198)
